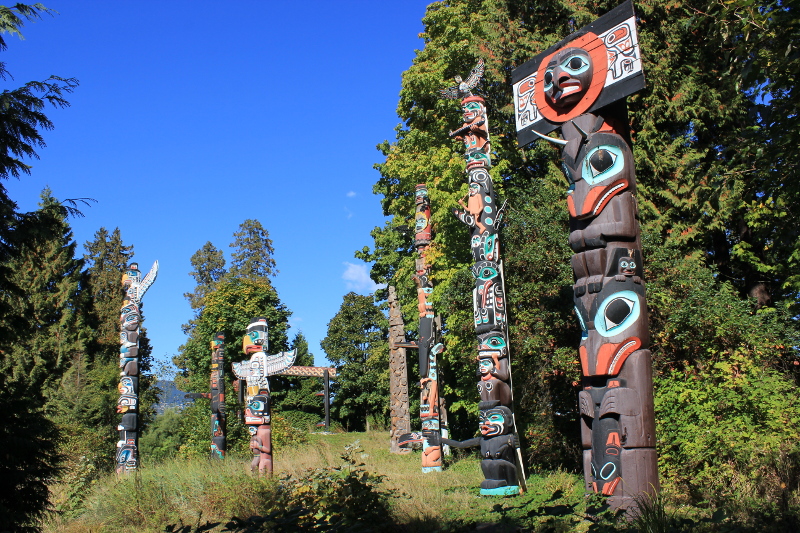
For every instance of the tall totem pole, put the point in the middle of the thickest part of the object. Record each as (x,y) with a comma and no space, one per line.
(579,86)
(127,458)
(398,376)
(217,397)
(255,373)
(431,406)
(501,463)
(218,420)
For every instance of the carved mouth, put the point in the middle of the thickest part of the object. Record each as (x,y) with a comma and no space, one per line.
(568,88)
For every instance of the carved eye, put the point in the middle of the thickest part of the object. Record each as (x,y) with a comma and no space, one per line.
(575,64)
(632,265)
(548,79)
(617,311)
(607,472)
(600,161)
(623,264)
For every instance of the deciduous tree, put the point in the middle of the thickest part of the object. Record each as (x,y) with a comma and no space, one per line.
(357,345)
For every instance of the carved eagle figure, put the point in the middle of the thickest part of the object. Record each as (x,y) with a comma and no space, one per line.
(464,88)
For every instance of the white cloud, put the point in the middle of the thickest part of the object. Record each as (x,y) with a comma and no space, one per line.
(349,213)
(351,194)
(356,278)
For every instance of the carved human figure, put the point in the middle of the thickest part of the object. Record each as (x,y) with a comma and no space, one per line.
(498,444)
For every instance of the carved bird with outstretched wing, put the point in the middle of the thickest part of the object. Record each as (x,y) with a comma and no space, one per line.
(464,87)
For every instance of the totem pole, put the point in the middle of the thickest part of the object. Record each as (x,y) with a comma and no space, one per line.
(217,397)
(579,86)
(398,376)
(502,460)
(218,420)
(254,372)
(127,457)
(431,405)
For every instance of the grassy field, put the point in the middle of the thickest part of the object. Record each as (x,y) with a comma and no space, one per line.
(316,489)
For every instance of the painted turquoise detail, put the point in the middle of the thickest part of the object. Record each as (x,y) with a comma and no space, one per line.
(511,490)
(591,175)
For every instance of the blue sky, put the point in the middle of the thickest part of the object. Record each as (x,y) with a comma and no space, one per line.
(192,116)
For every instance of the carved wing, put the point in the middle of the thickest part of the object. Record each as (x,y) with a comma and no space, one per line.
(241,370)
(148,279)
(275,364)
(475,76)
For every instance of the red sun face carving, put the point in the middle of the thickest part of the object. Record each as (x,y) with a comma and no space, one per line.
(570,79)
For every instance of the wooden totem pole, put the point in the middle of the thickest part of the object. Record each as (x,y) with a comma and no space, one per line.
(501,463)
(579,86)
(219,445)
(255,373)
(217,397)
(398,376)
(127,457)
(431,406)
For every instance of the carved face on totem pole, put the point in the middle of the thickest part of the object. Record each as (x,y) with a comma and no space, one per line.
(496,421)
(255,340)
(131,276)
(567,77)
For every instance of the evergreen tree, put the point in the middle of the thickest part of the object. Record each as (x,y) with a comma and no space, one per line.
(106,259)
(30,450)
(208,267)
(357,345)
(45,335)
(252,251)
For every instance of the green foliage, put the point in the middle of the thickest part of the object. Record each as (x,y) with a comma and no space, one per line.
(208,264)
(295,398)
(345,498)
(229,309)
(162,438)
(252,251)
(357,345)
(728,434)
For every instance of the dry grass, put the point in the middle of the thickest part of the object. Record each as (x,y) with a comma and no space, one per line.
(192,492)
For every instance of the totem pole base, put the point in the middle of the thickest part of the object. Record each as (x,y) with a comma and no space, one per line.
(512,490)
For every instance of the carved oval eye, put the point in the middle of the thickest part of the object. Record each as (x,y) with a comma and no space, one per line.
(623,264)
(617,313)
(548,79)
(601,163)
(631,265)
(575,64)
(607,472)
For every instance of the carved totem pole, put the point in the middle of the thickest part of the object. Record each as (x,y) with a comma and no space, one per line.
(218,419)
(398,376)
(255,372)
(127,458)
(217,397)
(579,86)
(501,463)
(431,406)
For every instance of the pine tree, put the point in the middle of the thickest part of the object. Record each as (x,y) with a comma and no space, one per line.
(208,264)
(46,334)
(252,251)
